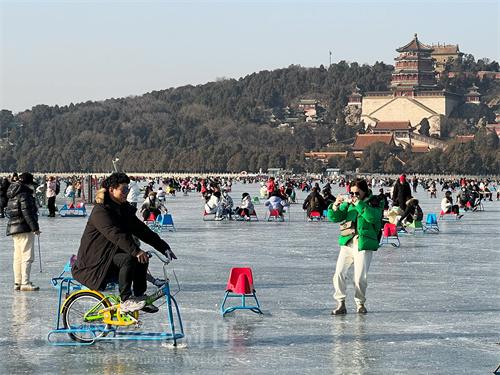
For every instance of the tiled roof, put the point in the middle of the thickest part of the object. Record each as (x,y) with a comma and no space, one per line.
(464,138)
(420,149)
(415,45)
(364,140)
(445,50)
(392,125)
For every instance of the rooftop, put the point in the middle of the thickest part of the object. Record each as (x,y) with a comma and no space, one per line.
(419,149)
(415,45)
(449,49)
(364,140)
(464,138)
(392,125)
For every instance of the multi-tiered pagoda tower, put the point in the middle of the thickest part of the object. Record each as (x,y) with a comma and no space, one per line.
(413,70)
(414,93)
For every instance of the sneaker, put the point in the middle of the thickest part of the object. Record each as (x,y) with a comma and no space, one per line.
(340,310)
(151,309)
(219,218)
(17,286)
(362,309)
(29,287)
(247,218)
(132,304)
(159,282)
(460,216)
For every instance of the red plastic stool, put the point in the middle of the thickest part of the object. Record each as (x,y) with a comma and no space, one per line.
(390,235)
(315,216)
(274,214)
(240,285)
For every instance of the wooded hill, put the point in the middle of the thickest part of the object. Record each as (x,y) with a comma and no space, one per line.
(228,125)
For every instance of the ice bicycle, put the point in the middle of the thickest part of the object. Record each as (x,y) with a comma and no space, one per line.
(88,316)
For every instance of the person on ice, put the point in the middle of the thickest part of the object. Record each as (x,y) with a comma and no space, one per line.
(214,206)
(246,207)
(276,202)
(23,226)
(108,250)
(314,202)
(361,221)
(152,206)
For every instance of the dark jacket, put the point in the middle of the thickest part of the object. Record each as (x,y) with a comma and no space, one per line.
(109,229)
(400,194)
(22,210)
(4,186)
(314,202)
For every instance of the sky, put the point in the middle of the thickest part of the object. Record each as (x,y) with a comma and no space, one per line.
(62,52)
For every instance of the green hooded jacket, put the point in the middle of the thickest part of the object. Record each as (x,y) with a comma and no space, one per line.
(368,216)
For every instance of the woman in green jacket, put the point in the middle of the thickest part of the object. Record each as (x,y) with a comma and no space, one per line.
(361,220)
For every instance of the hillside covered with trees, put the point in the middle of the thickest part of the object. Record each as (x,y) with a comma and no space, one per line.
(228,125)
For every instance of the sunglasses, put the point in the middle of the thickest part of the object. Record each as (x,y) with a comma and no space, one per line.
(356,193)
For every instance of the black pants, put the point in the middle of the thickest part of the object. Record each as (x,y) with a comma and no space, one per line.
(407,214)
(51,204)
(127,269)
(245,211)
(3,204)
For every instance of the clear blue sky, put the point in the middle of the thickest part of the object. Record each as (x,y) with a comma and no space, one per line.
(58,52)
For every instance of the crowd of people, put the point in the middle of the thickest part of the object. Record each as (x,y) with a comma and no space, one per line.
(111,240)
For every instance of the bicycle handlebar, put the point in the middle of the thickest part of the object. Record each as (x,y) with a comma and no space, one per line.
(164,258)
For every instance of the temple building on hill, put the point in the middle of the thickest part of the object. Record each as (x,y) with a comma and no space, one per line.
(442,53)
(414,93)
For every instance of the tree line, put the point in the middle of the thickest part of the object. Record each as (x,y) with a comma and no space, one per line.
(219,126)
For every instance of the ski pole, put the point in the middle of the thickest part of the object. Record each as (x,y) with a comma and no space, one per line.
(39,254)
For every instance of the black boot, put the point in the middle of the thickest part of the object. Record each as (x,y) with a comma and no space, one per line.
(340,310)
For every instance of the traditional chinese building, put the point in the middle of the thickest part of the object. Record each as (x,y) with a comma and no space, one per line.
(473,96)
(442,53)
(414,93)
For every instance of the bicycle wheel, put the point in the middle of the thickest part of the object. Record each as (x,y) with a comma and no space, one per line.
(80,312)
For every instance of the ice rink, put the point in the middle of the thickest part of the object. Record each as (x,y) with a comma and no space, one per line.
(433,303)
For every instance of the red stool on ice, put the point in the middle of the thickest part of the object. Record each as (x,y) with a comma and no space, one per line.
(390,235)
(315,216)
(274,215)
(240,285)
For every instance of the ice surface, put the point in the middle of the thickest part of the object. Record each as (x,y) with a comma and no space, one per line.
(433,303)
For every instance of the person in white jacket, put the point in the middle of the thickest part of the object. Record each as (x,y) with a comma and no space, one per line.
(213,205)
(447,206)
(134,192)
(246,207)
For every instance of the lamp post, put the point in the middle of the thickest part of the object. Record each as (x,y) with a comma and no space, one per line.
(115,161)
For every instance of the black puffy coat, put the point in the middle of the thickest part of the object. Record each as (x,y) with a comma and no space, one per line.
(109,229)
(22,210)
(4,186)
(400,194)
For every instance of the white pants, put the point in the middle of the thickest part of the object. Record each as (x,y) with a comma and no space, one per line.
(361,259)
(24,255)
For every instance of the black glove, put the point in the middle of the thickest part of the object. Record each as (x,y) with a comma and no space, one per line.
(169,253)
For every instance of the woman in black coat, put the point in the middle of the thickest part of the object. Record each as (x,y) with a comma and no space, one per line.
(108,250)
(401,193)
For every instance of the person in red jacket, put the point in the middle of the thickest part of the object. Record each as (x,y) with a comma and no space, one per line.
(271,186)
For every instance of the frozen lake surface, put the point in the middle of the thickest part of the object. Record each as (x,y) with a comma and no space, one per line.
(433,303)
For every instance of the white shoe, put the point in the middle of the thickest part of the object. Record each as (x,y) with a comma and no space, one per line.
(220,218)
(29,287)
(132,304)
